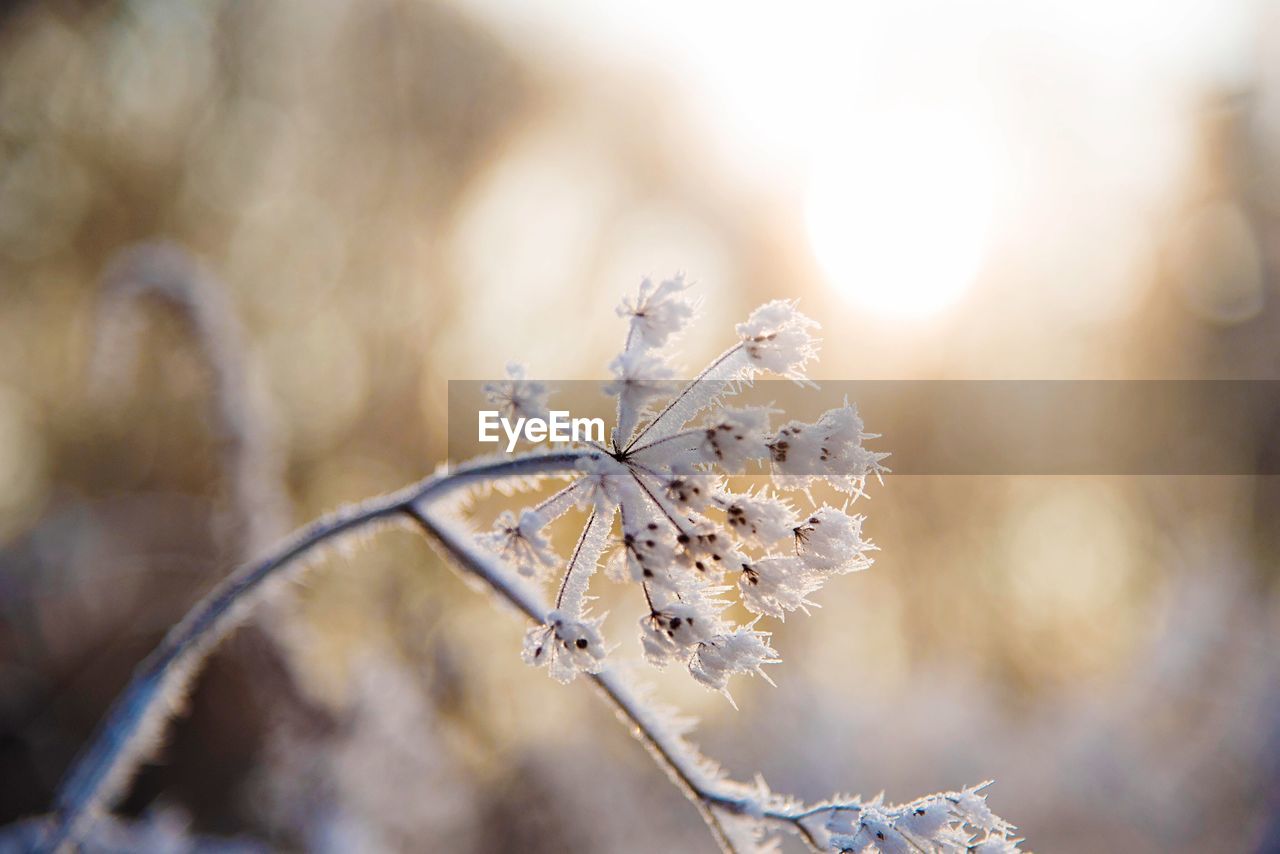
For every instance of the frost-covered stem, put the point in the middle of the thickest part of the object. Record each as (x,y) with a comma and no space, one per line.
(625,705)
(468,558)
(491,469)
(648,597)
(573,561)
(708,794)
(644,584)
(662,508)
(683,434)
(141,709)
(557,496)
(617,414)
(684,392)
(115,749)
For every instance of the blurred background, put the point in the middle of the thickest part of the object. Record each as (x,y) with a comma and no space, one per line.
(360,201)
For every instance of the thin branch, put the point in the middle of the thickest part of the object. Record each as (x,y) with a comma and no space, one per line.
(140,712)
(617,417)
(683,434)
(467,557)
(112,753)
(675,523)
(684,392)
(573,561)
(672,754)
(557,496)
(669,751)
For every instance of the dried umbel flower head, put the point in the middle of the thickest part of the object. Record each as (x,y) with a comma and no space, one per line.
(660,503)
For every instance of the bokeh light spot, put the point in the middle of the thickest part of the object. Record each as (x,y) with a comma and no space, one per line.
(898,216)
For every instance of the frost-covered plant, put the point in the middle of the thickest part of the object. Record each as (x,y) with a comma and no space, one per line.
(659,503)
(684,537)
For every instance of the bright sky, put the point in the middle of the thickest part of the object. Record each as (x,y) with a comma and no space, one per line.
(917,135)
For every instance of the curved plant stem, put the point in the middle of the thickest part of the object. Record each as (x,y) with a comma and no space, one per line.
(140,711)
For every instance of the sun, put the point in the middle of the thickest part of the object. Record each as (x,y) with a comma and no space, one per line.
(898,214)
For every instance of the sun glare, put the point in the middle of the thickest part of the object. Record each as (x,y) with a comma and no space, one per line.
(898,215)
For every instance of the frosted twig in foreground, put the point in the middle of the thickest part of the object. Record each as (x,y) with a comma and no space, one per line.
(136,719)
(683,535)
